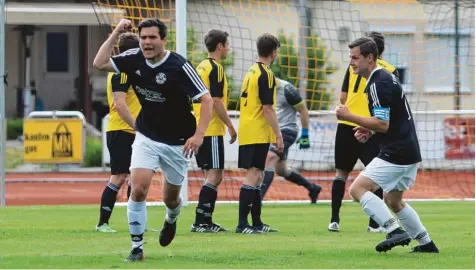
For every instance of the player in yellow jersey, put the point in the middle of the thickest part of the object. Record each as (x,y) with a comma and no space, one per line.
(258,128)
(211,154)
(123,110)
(354,97)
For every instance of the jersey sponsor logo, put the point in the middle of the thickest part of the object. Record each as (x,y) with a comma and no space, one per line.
(160,78)
(382,113)
(150,95)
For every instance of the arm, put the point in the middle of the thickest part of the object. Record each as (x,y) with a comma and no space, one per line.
(345,87)
(217,82)
(293,97)
(205,114)
(193,87)
(303,114)
(102,60)
(120,86)
(266,88)
(122,109)
(380,102)
(371,123)
(270,115)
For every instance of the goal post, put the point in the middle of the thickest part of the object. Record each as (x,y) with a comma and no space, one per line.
(420,42)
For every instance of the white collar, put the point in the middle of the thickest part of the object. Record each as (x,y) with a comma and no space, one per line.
(372,73)
(167,53)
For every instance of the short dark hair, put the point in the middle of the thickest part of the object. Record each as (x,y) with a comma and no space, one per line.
(152,22)
(128,41)
(379,40)
(266,44)
(214,37)
(367,46)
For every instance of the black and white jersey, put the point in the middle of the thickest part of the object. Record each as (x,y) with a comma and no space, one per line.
(164,90)
(388,102)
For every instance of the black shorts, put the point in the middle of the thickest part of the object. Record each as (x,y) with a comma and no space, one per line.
(253,155)
(119,144)
(289,138)
(211,154)
(348,149)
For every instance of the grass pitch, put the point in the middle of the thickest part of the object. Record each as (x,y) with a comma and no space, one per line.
(64,237)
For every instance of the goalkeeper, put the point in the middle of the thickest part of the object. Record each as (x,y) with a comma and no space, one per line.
(288,103)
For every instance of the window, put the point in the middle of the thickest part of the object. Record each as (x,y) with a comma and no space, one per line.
(57,52)
(440,64)
(398,52)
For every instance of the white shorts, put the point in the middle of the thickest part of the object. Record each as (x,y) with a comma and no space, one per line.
(391,176)
(149,154)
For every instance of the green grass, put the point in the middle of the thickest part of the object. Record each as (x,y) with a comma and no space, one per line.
(13,158)
(64,237)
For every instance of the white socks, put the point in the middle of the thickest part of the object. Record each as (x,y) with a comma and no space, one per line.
(412,224)
(172,214)
(375,208)
(137,218)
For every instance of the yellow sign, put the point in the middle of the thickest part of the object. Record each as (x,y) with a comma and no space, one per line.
(53,140)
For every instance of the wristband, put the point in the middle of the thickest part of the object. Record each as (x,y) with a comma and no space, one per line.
(304,132)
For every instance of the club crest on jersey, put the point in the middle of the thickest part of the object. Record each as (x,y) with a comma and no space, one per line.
(160,78)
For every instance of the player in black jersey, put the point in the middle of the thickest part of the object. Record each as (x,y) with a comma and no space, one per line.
(395,168)
(166,130)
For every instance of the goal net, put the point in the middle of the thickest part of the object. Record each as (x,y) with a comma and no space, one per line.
(431,43)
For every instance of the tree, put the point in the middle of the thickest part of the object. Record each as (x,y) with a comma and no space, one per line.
(319,67)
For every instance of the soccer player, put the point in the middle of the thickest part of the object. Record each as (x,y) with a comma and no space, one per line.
(395,168)
(123,110)
(288,103)
(257,129)
(211,154)
(166,130)
(354,97)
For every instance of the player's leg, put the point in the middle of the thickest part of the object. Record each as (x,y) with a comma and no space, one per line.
(174,166)
(268,176)
(258,162)
(289,137)
(214,179)
(367,152)
(128,189)
(119,144)
(344,163)
(210,158)
(108,200)
(380,173)
(144,162)
(408,216)
(246,160)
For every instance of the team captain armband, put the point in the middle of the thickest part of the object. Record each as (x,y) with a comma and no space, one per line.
(381,113)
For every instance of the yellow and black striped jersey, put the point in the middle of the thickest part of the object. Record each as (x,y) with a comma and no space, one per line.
(354,85)
(213,76)
(259,88)
(120,83)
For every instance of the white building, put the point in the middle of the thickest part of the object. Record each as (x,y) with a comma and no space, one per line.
(420,41)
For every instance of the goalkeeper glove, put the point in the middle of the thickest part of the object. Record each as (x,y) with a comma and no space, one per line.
(304,140)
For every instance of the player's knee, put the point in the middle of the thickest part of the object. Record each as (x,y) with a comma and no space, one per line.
(357,190)
(138,193)
(271,159)
(394,204)
(283,172)
(214,177)
(353,192)
(171,201)
(253,176)
(118,179)
(341,174)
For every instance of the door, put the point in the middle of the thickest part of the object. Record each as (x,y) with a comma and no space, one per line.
(57,66)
